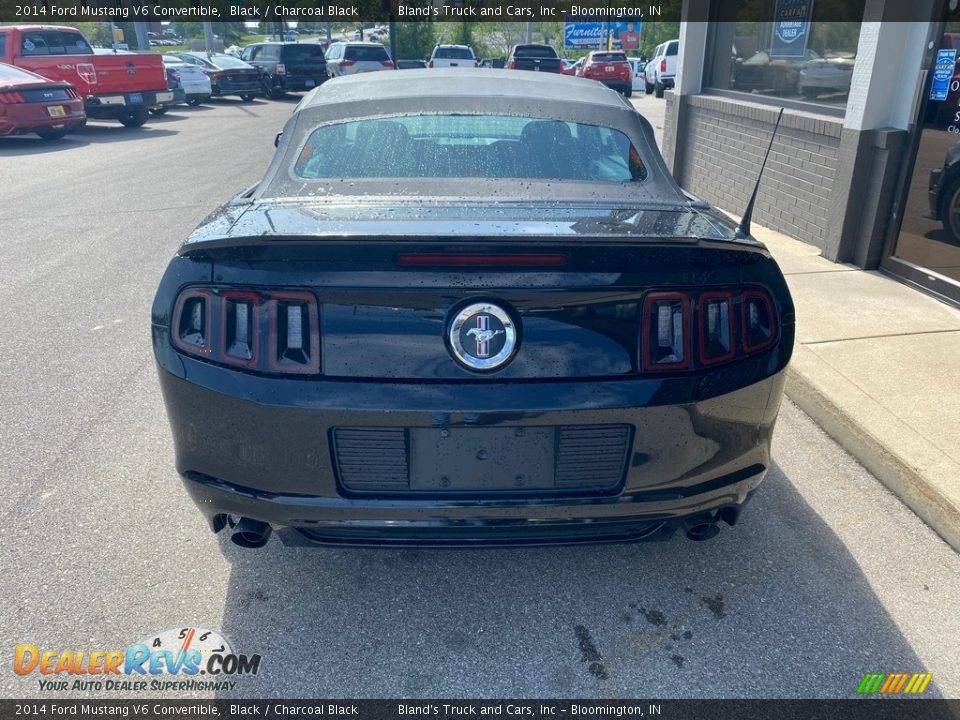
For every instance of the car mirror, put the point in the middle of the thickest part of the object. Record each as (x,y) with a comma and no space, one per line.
(276,140)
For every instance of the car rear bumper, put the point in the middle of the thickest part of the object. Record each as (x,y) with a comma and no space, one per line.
(112,107)
(245,450)
(25,118)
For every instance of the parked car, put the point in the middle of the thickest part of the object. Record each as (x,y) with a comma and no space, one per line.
(175,87)
(112,86)
(349,58)
(609,67)
(544,341)
(411,64)
(765,74)
(944,193)
(195,82)
(228,75)
(570,66)
(452,56)
(287,67)
(828,74)
(30,103)
(661,70)
(534,56)
(638,66)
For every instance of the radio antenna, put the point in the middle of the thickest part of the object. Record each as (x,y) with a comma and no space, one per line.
(743,229)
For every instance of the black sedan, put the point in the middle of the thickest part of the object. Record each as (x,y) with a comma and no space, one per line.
(228,75)
(460,309)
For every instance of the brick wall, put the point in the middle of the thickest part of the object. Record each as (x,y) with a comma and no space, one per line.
(720,152)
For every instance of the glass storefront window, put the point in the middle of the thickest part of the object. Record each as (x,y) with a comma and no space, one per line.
(806,59)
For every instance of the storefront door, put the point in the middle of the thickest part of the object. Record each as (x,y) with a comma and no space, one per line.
(926,250)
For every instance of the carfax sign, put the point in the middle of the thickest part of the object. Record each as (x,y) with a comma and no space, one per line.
(791,28)
(943,73)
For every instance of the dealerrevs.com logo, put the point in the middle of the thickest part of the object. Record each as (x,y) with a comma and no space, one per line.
(182,659)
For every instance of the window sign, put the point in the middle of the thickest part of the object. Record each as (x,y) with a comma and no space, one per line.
(943,73)
(791,28)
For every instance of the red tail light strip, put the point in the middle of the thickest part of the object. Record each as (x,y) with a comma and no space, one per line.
(206,349)
(475,259)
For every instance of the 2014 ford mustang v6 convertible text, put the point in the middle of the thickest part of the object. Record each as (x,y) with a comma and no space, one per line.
(470,308)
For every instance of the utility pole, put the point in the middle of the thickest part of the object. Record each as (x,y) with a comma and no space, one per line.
(393,41)
(529,32)
(208,36)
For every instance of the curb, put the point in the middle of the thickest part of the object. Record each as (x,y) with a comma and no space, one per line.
(894,472)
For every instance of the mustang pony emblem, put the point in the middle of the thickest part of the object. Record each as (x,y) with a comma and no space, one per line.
(483,335)
(489,333)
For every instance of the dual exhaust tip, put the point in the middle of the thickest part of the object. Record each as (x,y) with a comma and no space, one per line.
(252,534)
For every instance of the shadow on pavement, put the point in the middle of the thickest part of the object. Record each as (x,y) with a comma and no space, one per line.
(90,134)
(775,607)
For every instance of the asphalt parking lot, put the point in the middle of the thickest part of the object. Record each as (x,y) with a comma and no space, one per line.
(827,578)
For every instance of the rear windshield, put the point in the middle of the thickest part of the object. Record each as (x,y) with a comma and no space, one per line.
(363,53)
(469,146)
(672,48)
(453,53)
(535,51)
(54,42)
(227,61)
(609,57)
(302,52)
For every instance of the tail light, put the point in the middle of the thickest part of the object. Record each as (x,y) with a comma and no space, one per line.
(10,97)
(715,323)
(430,63)
(665,335)
(387,63)
(271,331)
(218,75)
(476,64)
(673,322)
(281,69)
(663,65)
(758,324)
(512,65)
(347,63)
(72,92)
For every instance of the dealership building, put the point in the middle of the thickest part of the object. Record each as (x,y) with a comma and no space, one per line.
(870,112)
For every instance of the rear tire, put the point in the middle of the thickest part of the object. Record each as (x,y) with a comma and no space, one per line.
(658,89)
(52,134)
(193,101)
(647,87)
(627,91)
(950,207)
(247,97)
(135,118)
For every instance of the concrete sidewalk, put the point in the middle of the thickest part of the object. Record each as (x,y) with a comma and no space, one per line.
(877,366)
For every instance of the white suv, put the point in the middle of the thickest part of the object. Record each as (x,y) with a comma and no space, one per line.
(347,58)
(445,56)
(662,68)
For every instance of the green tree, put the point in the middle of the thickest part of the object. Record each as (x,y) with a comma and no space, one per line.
(415,40)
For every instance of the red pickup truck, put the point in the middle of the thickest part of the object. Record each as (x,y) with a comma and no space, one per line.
(113,87)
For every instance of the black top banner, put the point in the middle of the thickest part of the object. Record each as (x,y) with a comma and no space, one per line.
(50,11)
(888,709)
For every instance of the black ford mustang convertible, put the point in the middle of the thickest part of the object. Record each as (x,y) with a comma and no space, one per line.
(470,308)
